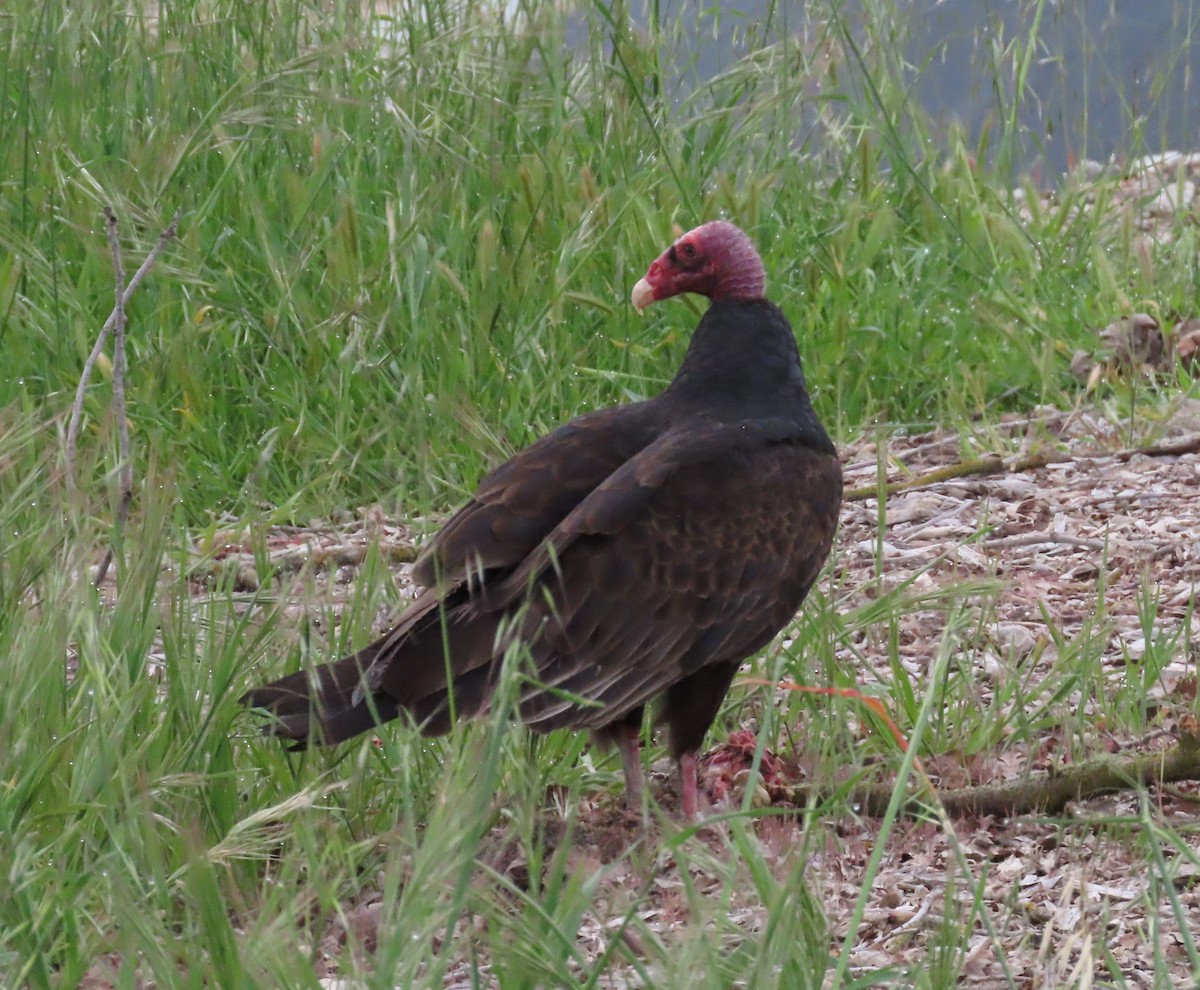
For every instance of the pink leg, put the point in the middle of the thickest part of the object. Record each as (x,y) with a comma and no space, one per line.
(687,784)
(628,744)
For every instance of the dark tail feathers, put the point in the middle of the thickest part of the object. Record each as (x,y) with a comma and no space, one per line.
(317,706)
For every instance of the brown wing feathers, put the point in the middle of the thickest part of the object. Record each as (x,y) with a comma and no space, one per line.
(522,500)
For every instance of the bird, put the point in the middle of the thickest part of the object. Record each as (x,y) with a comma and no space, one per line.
(635,556)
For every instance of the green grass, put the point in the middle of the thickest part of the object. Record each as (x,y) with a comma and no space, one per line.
(406,247)
(399,231)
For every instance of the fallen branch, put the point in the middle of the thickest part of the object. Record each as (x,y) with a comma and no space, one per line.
(1038,539)
(1184,445)
(995,464)
(115,325)
(244,566)
(1051,421)
(992,464)
(1046,793)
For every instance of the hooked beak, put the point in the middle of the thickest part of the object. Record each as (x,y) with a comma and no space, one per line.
(642,296)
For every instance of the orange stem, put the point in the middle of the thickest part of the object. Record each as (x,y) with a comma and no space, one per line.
(874,704)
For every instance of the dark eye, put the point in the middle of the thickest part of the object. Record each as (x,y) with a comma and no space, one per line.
(687,249)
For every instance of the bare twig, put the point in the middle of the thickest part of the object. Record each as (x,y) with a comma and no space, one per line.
(115,324)
(125,471)
(77,407)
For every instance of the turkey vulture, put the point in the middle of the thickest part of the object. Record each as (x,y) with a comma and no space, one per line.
(638,553)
